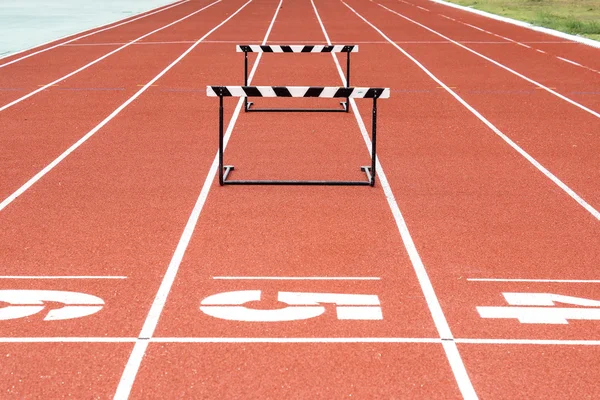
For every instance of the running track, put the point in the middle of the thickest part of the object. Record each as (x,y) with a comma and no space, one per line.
(488,184)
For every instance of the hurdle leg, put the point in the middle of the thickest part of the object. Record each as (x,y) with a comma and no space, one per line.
(374,142)
(247,104)
(221,180)
(348,80)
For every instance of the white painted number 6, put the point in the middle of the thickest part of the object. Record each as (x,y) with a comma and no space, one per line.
(23,303)
(230,306)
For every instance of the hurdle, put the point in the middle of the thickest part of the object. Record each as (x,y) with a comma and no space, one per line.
(298,91)
(256,48)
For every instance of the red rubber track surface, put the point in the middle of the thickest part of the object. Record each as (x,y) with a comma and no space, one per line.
(559,135)
(474,207)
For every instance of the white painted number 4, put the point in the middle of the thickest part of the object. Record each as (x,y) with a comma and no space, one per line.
(539,308)
(230,306)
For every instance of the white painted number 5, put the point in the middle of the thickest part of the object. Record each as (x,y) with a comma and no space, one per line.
(230,306)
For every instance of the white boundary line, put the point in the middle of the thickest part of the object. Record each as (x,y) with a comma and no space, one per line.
(283,340)
(533,280)
(512,71)
(284,42)
(103,57)
(95,30)
(151,322)
(88,135)
(522,24)
(595,213)
(439,319)
(299,278)
(62,277)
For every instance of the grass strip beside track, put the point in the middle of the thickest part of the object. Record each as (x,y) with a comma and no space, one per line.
(577,17)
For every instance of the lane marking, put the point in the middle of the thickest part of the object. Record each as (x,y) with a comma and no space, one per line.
(439,319)
(299,278)
(538,308)
(537,342)
(306,41)
(61,277)
(230,306)
(422,8)
(494,34)
(339,340)
(595,213)
(569,61)
(142,15)
(158,304)
(475,27)
(23,303)
(451,19)
(534,280)
(103,57)
(541,51)
(512,71)
(88,135)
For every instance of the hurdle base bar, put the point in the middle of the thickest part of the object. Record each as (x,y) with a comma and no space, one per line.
(344,108)
(366,169)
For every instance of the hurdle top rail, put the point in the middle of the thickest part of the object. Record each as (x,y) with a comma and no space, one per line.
(296,48)
(298,91)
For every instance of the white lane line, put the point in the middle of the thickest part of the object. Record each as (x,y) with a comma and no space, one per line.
(137,43)
(439,319)
(151,322)
(88,135)
(258,340)
(62,277)
(159,10)
(512,71)
(542,342)
(298,278)
(474,27)
(569,61)
(504,37)
(445,16)
(68,339)
(595,213)
(287,41)
(422,8)
(533,280)
(295,340)
(44,87)
(541,51)
(524,45)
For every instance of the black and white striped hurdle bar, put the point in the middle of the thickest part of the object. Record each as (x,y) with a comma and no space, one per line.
(297,48)
(298,91)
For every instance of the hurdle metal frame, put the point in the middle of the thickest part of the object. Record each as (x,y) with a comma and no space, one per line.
(259,91)
(305,49)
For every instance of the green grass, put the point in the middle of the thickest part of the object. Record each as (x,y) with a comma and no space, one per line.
(578,17)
